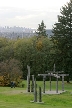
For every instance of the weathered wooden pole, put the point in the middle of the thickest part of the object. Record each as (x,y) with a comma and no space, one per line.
(40,95)
(35,91)
(63,75)
(54,68)
(32,85)
(50,81)
(44,84)
(62,83)
(28,79)
(57,86)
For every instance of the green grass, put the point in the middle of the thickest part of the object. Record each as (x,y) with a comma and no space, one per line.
(9,98)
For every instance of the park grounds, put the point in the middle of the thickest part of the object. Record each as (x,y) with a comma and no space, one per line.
(18,97)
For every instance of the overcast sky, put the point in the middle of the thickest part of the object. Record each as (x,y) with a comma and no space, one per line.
(30,13)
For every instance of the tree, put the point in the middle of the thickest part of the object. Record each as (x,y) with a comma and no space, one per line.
(28,52)
(41,31)
(6,48)
(62,38)
(11,69)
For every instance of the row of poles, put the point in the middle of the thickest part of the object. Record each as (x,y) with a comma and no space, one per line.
(37,95)
(34,85)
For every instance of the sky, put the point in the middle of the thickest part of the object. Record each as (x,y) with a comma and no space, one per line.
(30,13)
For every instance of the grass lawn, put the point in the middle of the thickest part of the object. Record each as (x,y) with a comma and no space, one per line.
(19,98)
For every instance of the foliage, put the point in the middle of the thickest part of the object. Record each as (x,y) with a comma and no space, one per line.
(62,39)
(37,53)
(6,49)
(27,52)
(41,31)
(11,71)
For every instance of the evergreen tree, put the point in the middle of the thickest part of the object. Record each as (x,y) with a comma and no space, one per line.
(62,38)
(41,31)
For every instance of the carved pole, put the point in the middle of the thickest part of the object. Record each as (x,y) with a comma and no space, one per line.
(40,95)
(57,82)
(62,83)
(50,81)
(35,91)
(44,84)
(54,68)
(63,75)
(28,79)
(57,86)
(32,86)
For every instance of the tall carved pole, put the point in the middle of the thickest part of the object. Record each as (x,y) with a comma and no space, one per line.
(35,91)
(50,81)
(40,95)
(44,84)
(62,83)
(54,68)
(57,85)
(32,86)
(28,79)
(63,75)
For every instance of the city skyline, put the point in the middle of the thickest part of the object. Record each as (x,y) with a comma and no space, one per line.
(30,13)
